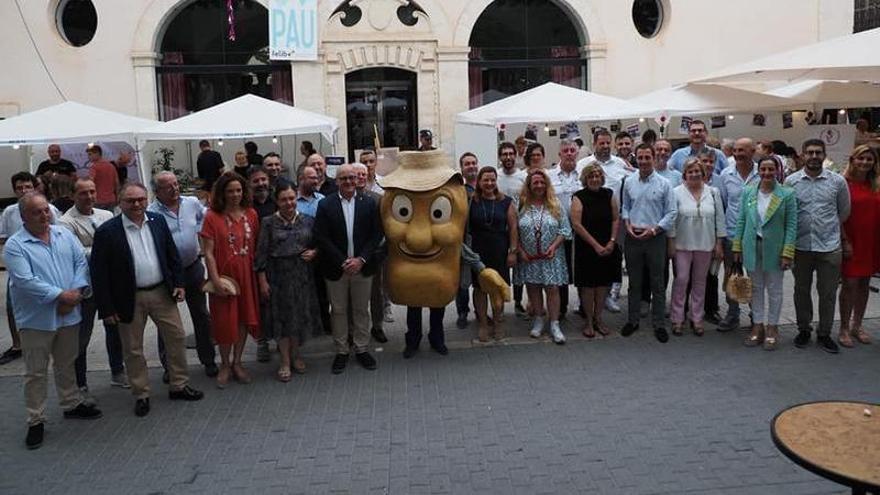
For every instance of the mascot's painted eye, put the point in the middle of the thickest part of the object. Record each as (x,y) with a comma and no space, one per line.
(402,208)
(441,210)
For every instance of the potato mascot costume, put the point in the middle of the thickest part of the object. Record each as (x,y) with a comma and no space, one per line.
(424,212)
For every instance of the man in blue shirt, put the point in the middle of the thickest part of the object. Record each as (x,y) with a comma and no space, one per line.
(823,205)
(649,211)
(184,216)
(697,134)
(730,184)
(49,276)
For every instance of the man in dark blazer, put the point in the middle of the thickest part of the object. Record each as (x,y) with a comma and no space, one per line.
(348,232)
(136,273)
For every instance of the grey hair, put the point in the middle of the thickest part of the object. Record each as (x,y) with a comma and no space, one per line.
(566,142)
(154,182)
(128,184)
(359,166)
(27,198)
(727,142)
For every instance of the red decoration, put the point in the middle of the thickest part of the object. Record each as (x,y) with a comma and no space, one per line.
(230,18)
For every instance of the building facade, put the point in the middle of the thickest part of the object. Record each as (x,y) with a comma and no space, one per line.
(386,66)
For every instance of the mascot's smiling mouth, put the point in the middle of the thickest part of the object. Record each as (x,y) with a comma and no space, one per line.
(420,256)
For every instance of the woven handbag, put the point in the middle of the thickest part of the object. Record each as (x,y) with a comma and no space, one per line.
(739,285)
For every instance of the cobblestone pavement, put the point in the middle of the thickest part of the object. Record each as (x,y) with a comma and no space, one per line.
(606,416)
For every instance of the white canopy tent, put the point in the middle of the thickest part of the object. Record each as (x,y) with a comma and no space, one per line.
(831,94)
(244,117)
(549,102)
(852,57)
(72,122)
(697,99)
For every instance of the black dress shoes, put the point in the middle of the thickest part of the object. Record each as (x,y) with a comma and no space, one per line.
(142,407)
(166,378)
(83,411)
(410,352)
(378,335)
(34,437)
(339,363)
(661,335)
(211,370)
(366,360)
(440,349)
(629,329)
(186,393)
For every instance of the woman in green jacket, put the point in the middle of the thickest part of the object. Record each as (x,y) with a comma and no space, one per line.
(764,243)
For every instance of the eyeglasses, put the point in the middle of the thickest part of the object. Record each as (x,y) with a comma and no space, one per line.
(135,200)
(346,178)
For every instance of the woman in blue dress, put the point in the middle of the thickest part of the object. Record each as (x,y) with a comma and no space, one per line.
(542,226)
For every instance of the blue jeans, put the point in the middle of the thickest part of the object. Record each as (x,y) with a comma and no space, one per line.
(89,309)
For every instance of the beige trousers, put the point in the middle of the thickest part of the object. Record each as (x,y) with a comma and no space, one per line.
(159,306)
(36,347)
(356,290)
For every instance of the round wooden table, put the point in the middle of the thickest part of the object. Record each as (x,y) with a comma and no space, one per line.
(837,440)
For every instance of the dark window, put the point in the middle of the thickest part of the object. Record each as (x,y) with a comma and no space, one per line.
(648,17)
(520,44)
(867,15)
(201,67)
(77,21)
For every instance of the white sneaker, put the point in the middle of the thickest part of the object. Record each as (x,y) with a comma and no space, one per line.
(389,316)
(537,327)
(556,333)
(119,380)
(611,305)
(87,398)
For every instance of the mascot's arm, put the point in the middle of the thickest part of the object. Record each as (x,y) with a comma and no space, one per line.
(490,281)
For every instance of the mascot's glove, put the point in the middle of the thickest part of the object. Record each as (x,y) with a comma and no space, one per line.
(492,284)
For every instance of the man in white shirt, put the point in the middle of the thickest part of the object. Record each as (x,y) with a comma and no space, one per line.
(566,181)
(83,219)
(510,182)
(136,273)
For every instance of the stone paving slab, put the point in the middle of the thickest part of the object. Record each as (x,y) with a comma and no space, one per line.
(611,415)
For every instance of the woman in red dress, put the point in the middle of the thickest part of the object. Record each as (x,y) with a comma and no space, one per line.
(861,242)
(229,235)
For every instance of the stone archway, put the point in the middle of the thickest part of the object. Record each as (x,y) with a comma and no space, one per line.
(582,13)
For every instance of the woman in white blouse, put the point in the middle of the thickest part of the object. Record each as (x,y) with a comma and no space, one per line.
(694,241)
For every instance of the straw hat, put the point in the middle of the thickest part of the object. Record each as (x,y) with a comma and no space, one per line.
(420,171)
(226,281)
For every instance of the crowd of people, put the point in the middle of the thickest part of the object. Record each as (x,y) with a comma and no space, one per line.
(284,260)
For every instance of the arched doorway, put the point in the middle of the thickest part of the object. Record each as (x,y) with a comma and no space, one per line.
(520,44)
(199,66)
(381,100)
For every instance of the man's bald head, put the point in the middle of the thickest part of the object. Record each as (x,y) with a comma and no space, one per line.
(743,150)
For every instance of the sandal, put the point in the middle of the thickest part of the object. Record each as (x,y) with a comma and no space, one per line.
(299,366)
(284,374)
(602,329)
(240,374)
(862,336)
(698,329)
(589,331)
(844,339)
(770,340)
(223,377)
(756,338)
(676,330)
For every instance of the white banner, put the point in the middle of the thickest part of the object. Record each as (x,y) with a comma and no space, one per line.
(839,141)
(293,29)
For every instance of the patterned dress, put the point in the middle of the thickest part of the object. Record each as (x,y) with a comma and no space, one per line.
(293,300)
(538,228)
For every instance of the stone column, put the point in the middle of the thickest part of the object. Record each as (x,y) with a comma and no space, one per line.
(596,55)
(145,81)
(452,87)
